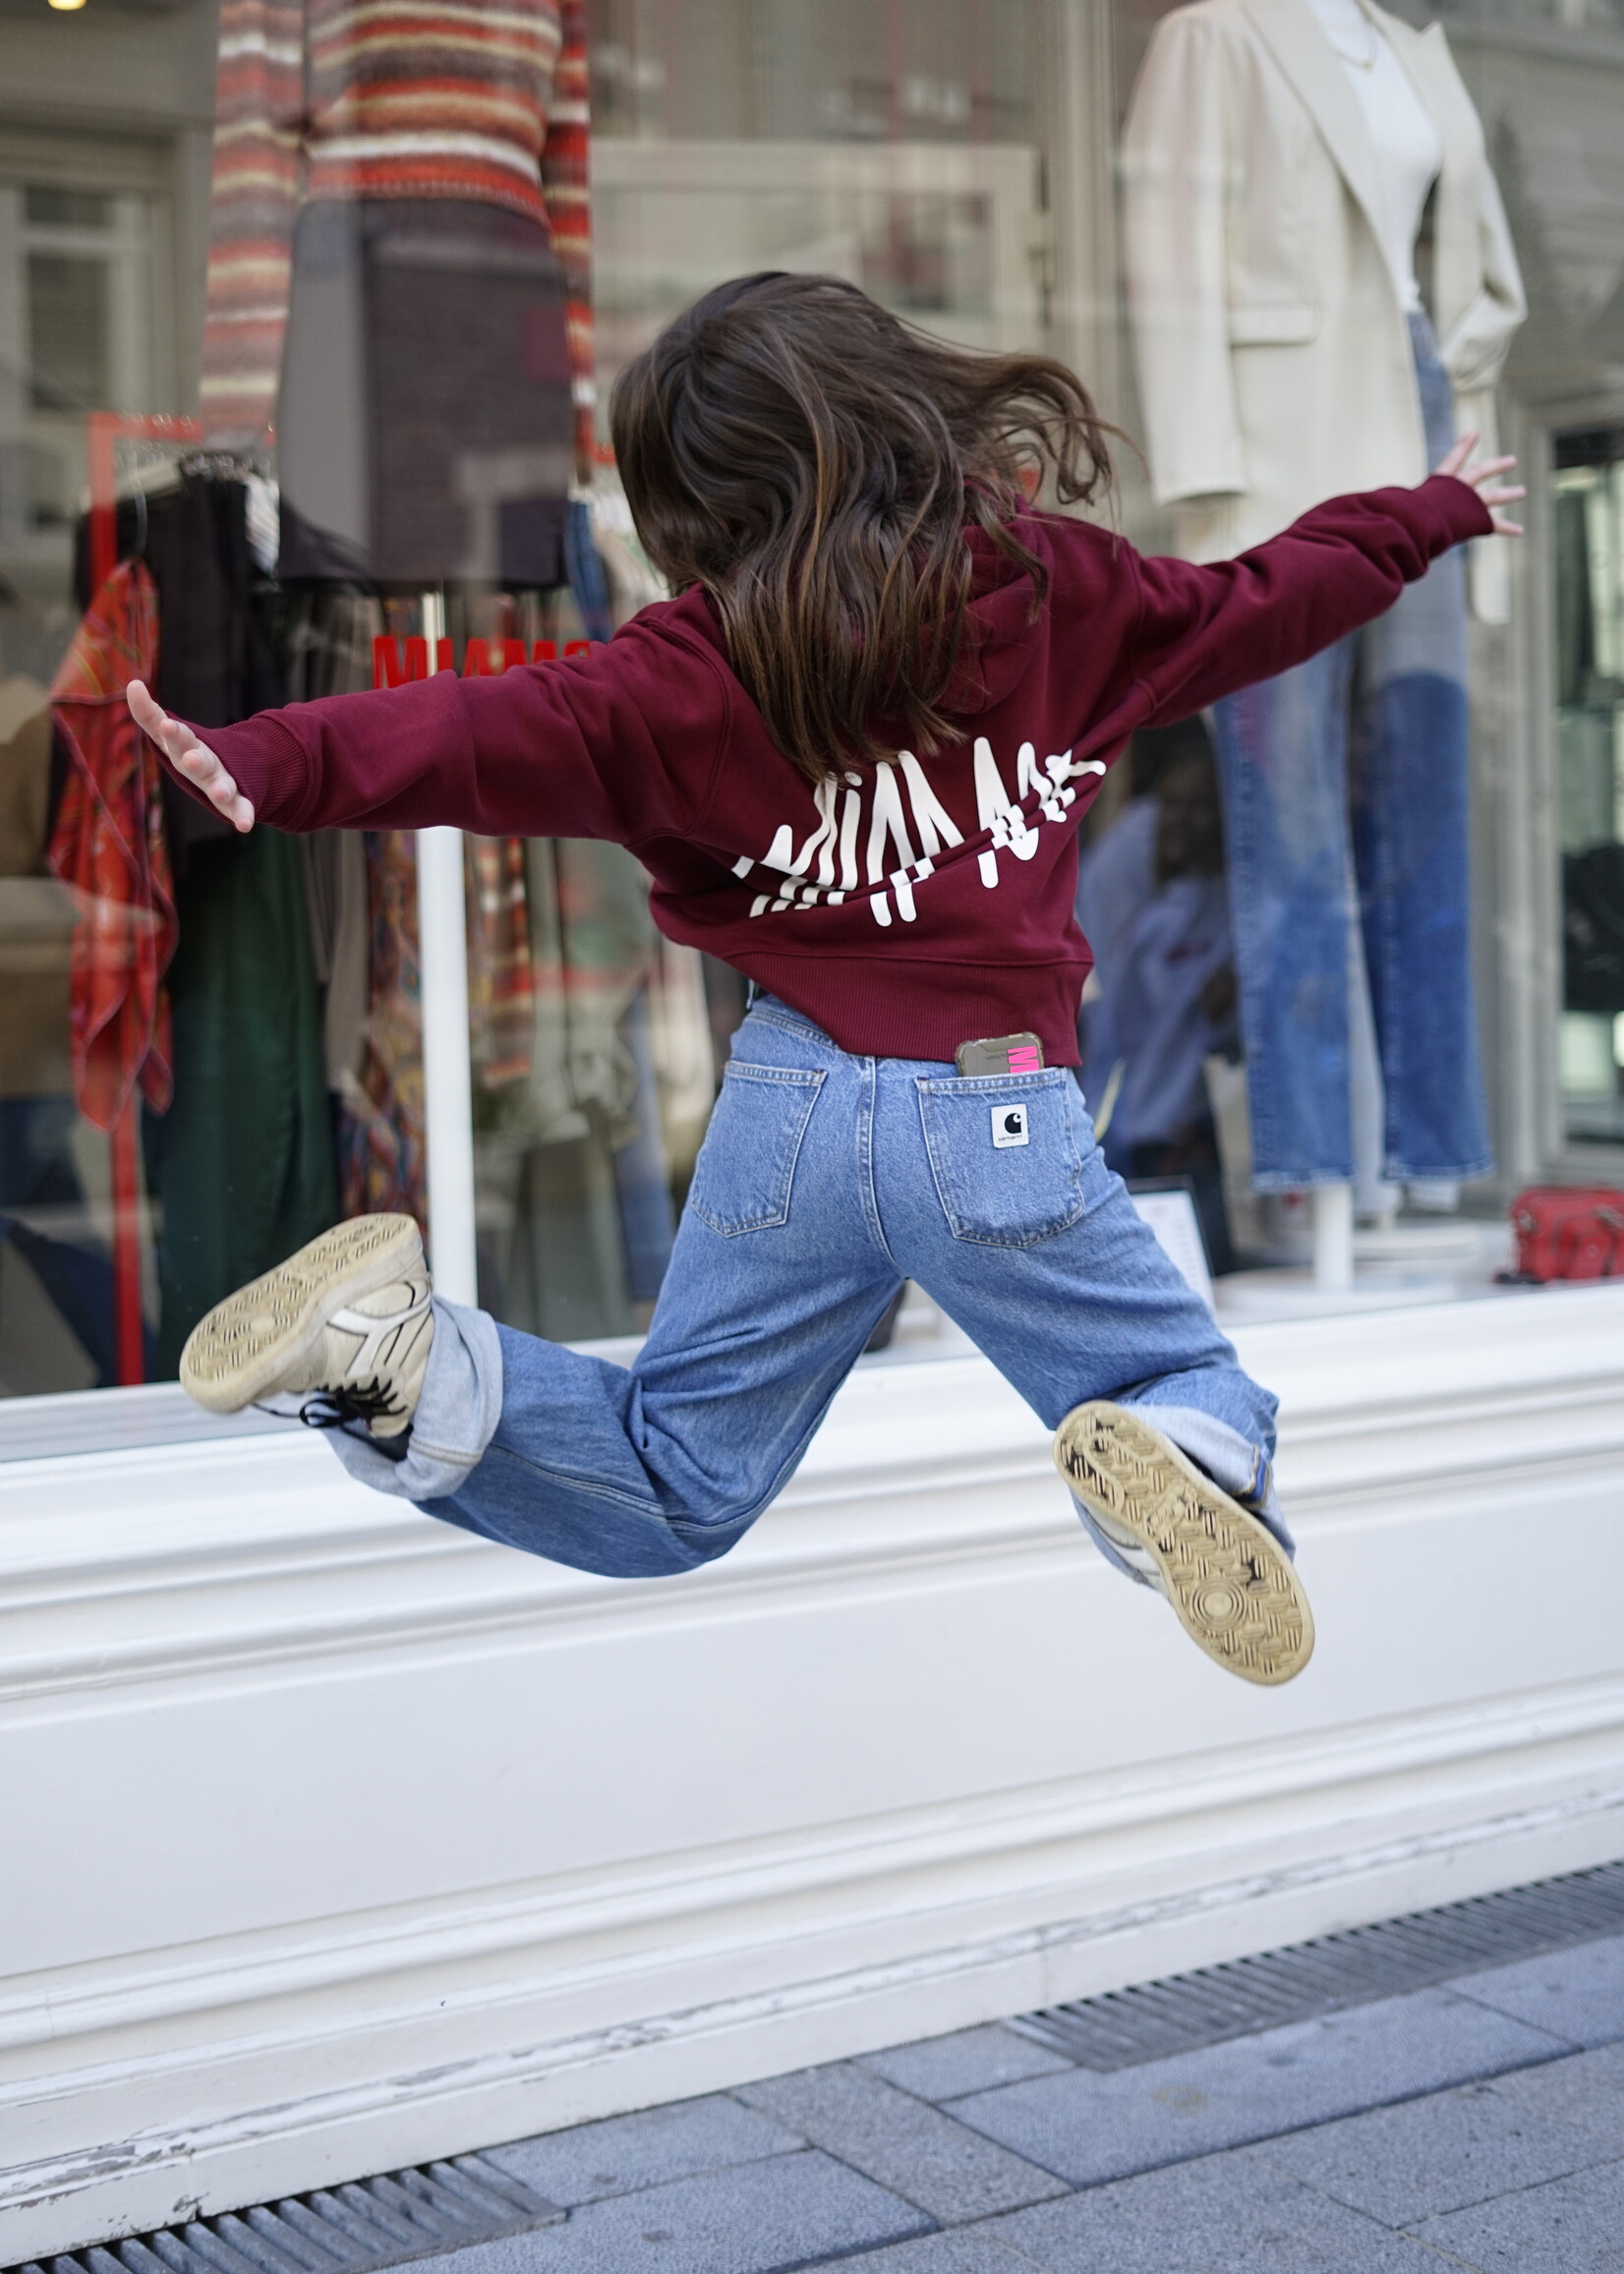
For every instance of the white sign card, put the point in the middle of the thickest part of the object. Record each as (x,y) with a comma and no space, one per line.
(1172,1218)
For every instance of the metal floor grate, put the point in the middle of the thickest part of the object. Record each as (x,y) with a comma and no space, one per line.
(1306,1979)
(387,2221)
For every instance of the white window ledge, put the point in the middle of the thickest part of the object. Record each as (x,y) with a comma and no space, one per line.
(336,1838)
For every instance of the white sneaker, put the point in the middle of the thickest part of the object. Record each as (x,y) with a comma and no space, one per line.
(1231,1586)
(345,1326)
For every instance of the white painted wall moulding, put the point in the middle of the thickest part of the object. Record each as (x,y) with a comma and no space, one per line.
(336,1839)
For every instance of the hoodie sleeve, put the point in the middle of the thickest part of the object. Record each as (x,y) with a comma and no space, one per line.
(1205,631)
(617,743)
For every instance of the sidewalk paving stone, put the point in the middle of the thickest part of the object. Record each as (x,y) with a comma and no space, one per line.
(1576,1994)
(1091,2127)
(1585,2092)
(626,2152)
(1226,2214)
(1443,2153)
(968,2061)
(1571,2225)
(756,2218)
(905,2144)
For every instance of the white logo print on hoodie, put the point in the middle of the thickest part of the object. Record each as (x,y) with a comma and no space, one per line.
(833,849)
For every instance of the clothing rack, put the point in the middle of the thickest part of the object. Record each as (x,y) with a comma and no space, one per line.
(223,465)
(105,431)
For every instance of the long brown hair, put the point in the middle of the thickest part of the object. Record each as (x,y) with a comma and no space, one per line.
(814,464)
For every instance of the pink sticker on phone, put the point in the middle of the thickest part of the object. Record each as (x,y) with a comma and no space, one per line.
(1025,1060)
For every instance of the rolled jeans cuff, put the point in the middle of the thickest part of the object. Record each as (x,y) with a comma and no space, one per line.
(457,1417)
(1235,1463)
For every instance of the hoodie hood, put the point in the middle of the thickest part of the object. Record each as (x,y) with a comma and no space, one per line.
(1002,632)
(1004,625)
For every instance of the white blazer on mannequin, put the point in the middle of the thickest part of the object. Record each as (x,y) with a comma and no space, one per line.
(1274,357)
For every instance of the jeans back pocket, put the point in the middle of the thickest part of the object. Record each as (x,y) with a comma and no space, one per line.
(1005,1154)
(746,1167)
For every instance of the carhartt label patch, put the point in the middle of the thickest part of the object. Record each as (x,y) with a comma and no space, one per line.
(1009,1127)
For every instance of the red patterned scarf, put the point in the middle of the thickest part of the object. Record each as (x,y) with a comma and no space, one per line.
(108,849)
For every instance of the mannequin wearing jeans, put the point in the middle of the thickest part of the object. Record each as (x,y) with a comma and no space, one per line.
(1279,159)
(1346,802)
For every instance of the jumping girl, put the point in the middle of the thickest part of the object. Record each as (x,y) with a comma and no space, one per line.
(852,756)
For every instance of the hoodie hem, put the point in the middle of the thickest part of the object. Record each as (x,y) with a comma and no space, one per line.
(936,1007)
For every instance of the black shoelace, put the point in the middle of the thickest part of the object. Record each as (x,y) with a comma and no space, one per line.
(336,1409)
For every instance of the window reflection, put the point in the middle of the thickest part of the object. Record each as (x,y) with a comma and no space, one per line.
(55,1314)
(428,381)
(903,147)
(1153,901)
(1590,657)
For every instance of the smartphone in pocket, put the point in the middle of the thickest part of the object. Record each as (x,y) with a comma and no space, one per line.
(1001,1054)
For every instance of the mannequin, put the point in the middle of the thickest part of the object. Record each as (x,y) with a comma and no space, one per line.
(398,276)
(1407,146)
(399,289)
(1279,157)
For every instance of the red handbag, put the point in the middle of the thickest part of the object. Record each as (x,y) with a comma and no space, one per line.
(1569,1232)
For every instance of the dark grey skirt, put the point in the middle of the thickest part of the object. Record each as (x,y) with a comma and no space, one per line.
(425,422)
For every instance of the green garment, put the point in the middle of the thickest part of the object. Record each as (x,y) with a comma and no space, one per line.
(241,1166)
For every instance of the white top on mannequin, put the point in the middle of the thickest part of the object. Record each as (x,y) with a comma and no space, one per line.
(1401,126)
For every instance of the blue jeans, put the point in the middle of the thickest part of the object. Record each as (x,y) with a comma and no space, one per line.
(824,1182)
(1347,820)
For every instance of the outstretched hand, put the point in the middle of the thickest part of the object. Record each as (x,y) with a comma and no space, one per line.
(1485,480)
(191,758)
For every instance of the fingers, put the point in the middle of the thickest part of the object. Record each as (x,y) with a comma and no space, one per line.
(190,757)
(143,710)
(1458,463)
(1485,480)
(203,769)
(1497,494)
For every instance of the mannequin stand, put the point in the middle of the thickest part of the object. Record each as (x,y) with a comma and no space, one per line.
(1333,1211)
(1402,1266)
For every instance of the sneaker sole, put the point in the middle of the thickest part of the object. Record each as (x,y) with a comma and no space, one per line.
(1230,1584)
(239,1351)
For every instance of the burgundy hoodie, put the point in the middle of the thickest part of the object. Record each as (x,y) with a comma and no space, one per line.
(907,906)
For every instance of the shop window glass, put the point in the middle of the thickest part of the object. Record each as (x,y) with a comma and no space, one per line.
(411,495)
(54,206)
(903,146)
(68,326)
(1550,77)
(1589,650)
(75,310)
(1546,80)
(74,337)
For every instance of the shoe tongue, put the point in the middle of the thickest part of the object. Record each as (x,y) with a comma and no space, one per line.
(335,1353)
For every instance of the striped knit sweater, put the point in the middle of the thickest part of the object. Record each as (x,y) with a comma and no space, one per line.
(384,98)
